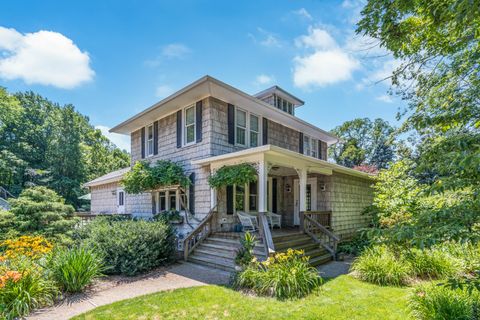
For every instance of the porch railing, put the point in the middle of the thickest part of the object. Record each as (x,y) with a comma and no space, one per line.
(200,233)
(318,232)
(322,217)
(266,234)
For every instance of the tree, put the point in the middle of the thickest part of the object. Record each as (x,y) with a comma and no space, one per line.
(364,142)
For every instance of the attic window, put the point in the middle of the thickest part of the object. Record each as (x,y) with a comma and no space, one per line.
(284,105)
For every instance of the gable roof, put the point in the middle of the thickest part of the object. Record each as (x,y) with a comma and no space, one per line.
(110,177)
(208,86)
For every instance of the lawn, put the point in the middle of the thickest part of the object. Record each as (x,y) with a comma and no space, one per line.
(341,298)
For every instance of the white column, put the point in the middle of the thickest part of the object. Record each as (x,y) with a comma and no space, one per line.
(213,197)
(262,186)
(302,177)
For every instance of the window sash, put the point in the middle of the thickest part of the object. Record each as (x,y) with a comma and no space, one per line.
(149,140)
(241,127)
(189,127)
(254,130)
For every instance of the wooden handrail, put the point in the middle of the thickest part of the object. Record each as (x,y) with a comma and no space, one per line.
(200,233)
(266,234)
(322,217)
(320,234)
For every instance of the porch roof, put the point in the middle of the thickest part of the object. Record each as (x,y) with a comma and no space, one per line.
(110,177)
(281,156)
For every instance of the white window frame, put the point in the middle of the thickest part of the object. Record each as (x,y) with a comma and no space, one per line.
(147,141)
(247,128)
(250,115)
(312,150)
(185,143)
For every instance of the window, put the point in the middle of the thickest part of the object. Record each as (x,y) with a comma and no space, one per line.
(121,198)
(310,146)
(254,131)
(284,105)
(247,129)
(162,201)
(172,200)
(241,127)
(290,108)
(149,142)
(189,125)
(309,197)
(239,198)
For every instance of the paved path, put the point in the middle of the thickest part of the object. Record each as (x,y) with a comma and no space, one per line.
(178,276)
(334,269)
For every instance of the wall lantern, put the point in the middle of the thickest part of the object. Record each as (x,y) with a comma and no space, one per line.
(288,188)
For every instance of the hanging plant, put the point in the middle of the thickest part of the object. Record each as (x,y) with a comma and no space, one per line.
(144,177)
(239,174)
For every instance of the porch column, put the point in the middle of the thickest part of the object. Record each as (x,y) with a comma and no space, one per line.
(213,197)
(302,179)
(262,186)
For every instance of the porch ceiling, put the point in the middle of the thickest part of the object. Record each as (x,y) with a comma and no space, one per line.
(279,156)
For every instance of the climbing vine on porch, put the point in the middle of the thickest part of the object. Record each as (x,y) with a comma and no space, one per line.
(144,177)
(238,174)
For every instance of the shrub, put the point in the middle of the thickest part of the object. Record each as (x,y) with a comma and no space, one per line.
(25,289)
(74,269)
(380,265)
(431,263)
(438,302)
(284,276)
(245,252)
(132,246)
(467,254)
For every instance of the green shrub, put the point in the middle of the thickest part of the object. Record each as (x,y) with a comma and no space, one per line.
(23,290)
(467,254)
(74,269)
(284,276)
(380,265)
(130,247)
(356,245)
(245,252)
(434,302)
(431,263)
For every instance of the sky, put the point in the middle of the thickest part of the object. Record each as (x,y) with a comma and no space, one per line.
(112,59)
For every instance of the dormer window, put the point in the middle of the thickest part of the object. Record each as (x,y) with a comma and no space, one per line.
(280,99)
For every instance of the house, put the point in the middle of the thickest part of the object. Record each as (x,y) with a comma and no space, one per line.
(210,124)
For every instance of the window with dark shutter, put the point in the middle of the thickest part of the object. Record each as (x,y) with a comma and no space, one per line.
(142,134)
(179,128)
(320,151)
(229,199)
(198,119)
(265,131)
(231,123)
(300,143)
(155,138)
(191,194)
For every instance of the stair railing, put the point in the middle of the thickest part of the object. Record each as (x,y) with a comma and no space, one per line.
(319,233)
(200,233)
(266,234)
(5,194)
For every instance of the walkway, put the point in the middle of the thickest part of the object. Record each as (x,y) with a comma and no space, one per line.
(178,276)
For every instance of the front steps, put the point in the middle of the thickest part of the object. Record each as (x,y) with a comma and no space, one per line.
(220,249)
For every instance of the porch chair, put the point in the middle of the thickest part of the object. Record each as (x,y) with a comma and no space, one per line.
(275,219)
(249,223)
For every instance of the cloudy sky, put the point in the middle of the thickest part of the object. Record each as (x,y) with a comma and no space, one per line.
(112,59)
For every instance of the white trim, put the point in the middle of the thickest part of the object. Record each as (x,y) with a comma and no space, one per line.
(184,125)
(120,207)
(247,128)
(147,127)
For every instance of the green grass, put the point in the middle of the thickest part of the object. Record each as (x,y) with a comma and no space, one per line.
(340,298)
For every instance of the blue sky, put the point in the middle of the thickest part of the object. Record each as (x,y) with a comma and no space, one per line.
(112,59)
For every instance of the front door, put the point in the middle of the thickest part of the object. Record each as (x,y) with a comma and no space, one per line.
(310,198)
(120,201)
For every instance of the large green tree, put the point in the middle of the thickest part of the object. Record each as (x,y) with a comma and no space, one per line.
(364,142)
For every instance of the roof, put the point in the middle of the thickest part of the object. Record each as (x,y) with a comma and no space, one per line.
(314,164)
(208,86)
(110,177)
(279,92)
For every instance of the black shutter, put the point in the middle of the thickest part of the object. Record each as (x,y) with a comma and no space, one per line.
(198,122)
(154,203)
(320,149)
(142,133)
(229,199)
(179,128)
(274,195)
(191,194)
(265,131)
(300,143)
(231,124)
(155,138)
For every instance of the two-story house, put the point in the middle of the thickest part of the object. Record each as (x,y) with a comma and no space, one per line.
(210,124)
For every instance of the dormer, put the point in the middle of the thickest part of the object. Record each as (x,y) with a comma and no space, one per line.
(280,99)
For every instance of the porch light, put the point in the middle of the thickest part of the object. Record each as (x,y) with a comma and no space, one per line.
(114,192)
(288,188)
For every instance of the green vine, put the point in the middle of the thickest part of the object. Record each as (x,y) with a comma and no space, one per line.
(239,174)
(144,177)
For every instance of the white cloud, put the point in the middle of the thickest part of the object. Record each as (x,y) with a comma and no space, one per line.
(175,50)
(43,57)
(163,91)
(120,140)
(302,12)
(263,79)
(266,38)
(327,64)
(385,98)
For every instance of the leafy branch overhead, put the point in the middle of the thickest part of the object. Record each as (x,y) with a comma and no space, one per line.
(239,174)
(144,177)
